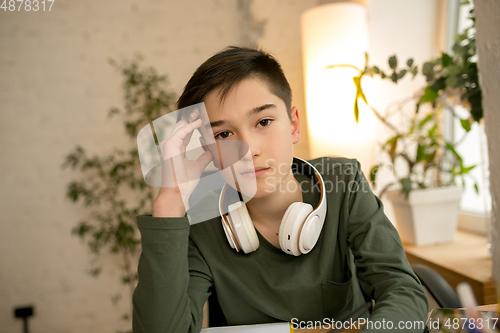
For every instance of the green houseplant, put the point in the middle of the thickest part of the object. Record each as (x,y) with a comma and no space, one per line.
(111,186)
(425,158)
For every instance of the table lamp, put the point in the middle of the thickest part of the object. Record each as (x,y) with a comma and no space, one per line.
(336,34)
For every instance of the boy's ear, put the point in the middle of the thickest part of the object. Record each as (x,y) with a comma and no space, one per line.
(295,125)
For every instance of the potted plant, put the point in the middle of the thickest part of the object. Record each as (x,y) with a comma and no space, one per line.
(425,165)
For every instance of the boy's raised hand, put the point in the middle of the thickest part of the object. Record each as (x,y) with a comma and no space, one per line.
(180,175)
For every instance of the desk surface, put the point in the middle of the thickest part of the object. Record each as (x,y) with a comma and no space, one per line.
(466,259)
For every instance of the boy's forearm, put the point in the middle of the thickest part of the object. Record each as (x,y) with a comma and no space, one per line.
(162,300)
(168,203)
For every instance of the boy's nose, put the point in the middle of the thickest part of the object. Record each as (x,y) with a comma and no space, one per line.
(232,151)
(250,150)
(246,152)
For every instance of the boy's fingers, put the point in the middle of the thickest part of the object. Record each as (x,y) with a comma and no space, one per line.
(181,132)
(189,134)
(195,114)
(177,142)
(187,138)
(204,159)
(179,124)
(183,122)
(180,139)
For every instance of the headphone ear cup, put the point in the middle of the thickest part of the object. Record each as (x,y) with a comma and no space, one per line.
(229,234)
(310,233)
(291,227)
(242,227)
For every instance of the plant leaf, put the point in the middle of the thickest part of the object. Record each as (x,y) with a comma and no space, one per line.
(356,110)
(393,144)
(428,68)
(401,74)
(394,77)
(445,59)
(452,149)
(407,185)
(425,120)
(465,124)
(430,95)
(414,71)
(393,62)
(439,84)
(359,88)
(421,156)
(373,172)
(467,169)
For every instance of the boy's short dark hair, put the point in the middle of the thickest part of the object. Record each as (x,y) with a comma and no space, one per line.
(228,68)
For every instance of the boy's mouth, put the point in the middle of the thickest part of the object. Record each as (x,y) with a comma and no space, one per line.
(254,172)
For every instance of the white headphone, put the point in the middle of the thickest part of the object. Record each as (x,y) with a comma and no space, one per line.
(300,227)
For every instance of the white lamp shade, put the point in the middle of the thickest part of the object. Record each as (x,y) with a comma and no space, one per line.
(335,34)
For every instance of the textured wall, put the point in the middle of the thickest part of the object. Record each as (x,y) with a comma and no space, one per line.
(55,89)
(488,50)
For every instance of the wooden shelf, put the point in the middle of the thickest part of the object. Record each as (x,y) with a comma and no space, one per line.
(465,260)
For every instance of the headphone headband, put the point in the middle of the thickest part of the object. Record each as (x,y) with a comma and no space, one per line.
(320,209)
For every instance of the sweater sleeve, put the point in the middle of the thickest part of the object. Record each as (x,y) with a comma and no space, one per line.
(381,265)
(173,279)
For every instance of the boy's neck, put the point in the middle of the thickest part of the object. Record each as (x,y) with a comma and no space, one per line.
(269,210)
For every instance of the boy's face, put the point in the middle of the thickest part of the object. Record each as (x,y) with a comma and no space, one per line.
(252,114)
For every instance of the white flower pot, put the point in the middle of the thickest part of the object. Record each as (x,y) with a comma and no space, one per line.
(428,216)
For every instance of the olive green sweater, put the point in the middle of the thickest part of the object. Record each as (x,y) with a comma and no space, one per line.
(358,256)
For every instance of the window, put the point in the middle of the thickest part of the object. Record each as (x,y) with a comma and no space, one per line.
(475,208)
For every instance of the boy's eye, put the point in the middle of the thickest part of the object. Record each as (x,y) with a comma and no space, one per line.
(266,122)
(222,135)
(226,134)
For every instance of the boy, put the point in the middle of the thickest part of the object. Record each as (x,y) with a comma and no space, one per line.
(357,257)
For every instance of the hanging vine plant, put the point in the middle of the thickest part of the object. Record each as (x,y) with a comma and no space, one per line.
(111,186)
